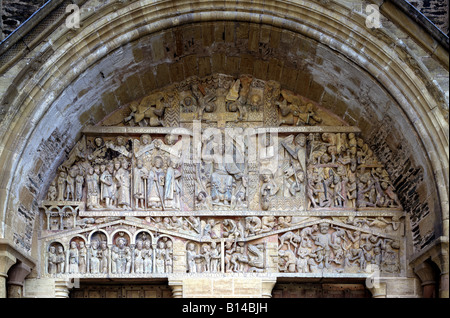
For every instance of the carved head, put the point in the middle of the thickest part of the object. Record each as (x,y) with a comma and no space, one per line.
(95,244)
(170,139)
(98,141)
(255,100)
(324,228)
(300,140)
(201,196)
(120,141)
(121,242)
(117,164)
(146,139)
(158,162)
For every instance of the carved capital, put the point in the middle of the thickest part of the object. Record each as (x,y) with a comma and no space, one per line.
(267,285)
(177,287)
(425,273)
(379,290)
(7,260)
(61,288)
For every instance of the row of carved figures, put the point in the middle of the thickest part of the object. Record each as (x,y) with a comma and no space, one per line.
(318,248)
(121,258)
(242,95)
(330,170)
(342,172)
(144,258)
(113,183)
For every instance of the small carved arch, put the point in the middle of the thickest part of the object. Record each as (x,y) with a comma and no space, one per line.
(121,233)
(55,259)
(141,233)
(97,232)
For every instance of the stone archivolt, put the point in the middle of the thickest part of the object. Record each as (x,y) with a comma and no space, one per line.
(221,175)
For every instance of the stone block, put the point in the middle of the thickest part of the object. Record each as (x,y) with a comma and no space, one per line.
(218,63)
(162,75)
(204,66)
(247,61)
(232,65)
(247,287)
(229,32)
(39,288)
(274,69)
(207,34)
(134,87)
(176,72)
(260,69)
(197,287)
(158,51)
(253,38)
(241,30)
(190,65)
(222,287)
(148,80)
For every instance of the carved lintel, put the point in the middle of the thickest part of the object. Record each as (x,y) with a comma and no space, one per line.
(126,131)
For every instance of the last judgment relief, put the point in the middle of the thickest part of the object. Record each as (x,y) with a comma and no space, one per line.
(221,175)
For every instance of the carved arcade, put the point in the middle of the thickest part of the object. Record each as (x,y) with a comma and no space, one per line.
(221,175)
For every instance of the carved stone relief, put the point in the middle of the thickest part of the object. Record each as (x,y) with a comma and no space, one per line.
(260,180)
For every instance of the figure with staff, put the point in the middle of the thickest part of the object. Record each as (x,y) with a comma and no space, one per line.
(156,184)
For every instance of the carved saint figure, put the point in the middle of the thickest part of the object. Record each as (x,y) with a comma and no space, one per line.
(51,260)
(139,257)
(156,181)
(70,183)
(61,185)
(79,181)
(52,192)
(268,189)
(140,175)
(73,257)
(171,186)
(93,190)
(122,257)
(160,257)
(123,179)
(107,185)
(94,257)
(82,256)
(168,257)
(148,257)
(103,255)
(323,242)
(60,259)
(191,256)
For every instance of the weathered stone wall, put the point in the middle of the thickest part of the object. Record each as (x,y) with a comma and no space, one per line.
(435,10)
(14,13)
